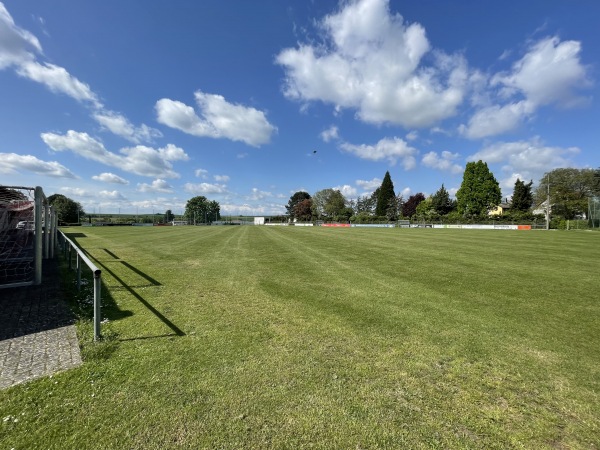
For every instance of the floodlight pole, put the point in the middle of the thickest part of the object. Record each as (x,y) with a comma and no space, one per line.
(548,203)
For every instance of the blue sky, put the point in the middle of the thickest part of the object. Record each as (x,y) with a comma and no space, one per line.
(139,106)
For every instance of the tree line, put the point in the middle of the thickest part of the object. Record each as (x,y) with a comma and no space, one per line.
(569,190)
(478,195)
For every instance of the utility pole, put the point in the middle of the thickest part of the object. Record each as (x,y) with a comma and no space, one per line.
(548,203)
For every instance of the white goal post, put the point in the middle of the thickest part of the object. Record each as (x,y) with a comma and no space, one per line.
(27,235)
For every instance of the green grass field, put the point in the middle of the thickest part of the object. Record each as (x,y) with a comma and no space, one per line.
(273,337)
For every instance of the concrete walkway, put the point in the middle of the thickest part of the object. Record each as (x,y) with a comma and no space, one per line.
(37,335)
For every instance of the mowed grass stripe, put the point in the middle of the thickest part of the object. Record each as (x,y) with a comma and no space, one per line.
(331,338)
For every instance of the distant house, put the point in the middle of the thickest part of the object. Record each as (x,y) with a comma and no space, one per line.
(541,208)
(500,209)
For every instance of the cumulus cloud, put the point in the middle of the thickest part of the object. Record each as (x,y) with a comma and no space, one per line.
(11,163)
(22,51)
(222,178)
(201,173)
(58,80)
(445,161)
(19,49)
(140,160)
(372,61)
(216,118)
(158,185)
(204,188)
(76,192)
(391,149)
(108,177)
(121,126)
(528,158)
(369,185)
(330,134)
(111,195)
(16,43)
(257,194)
(550,73)
(346,190)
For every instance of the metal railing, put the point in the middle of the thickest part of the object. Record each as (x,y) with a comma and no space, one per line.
(68,248)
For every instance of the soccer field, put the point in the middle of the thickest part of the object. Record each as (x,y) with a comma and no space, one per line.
(284,337)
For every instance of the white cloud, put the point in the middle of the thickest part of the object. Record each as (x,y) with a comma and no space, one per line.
(346,190)
(204,188)
(259,195)
(18,48)
(528,158)
(21,50)
(140,160)
(406,192)
(331,133)
(121,126)
(372,61)
(111,195)
(222,178)
(11,163)
(77,192)
(158,185)
(390,149)
(496,119)
(412,136)
(57,79)
(217,119)
(269,209)
(108,177)
(15,42)
(445,161)
(550,73)
(201,173)
(369,185)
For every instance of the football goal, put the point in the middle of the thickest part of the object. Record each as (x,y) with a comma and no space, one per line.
(594,211)
(27,235)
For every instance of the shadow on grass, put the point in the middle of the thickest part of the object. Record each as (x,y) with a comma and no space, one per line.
(176,330)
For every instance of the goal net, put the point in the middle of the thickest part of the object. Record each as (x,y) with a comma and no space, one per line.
(594,211)
(24,236)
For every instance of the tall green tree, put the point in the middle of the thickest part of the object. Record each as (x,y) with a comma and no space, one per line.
(365,205)
(479,191)
(296,198)
(441,202)
(522,199)
(201,210)
(569,191)
(328,204)
(67,210)
(385,195)
(168,217)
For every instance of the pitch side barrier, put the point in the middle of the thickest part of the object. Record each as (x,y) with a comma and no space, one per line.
(485,227)
(429,225)
(68,248)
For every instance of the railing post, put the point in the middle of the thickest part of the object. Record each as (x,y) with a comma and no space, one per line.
(70,257)
(97,305)
(46,230)
(38,234)
(78,262)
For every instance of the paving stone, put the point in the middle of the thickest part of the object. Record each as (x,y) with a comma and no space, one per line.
(37,335)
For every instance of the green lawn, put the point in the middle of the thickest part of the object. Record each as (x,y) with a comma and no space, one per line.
(273,337)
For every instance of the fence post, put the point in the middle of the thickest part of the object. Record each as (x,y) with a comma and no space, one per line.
(46,230)
(38,234)
(97,306)
(78,262)
(70,256)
